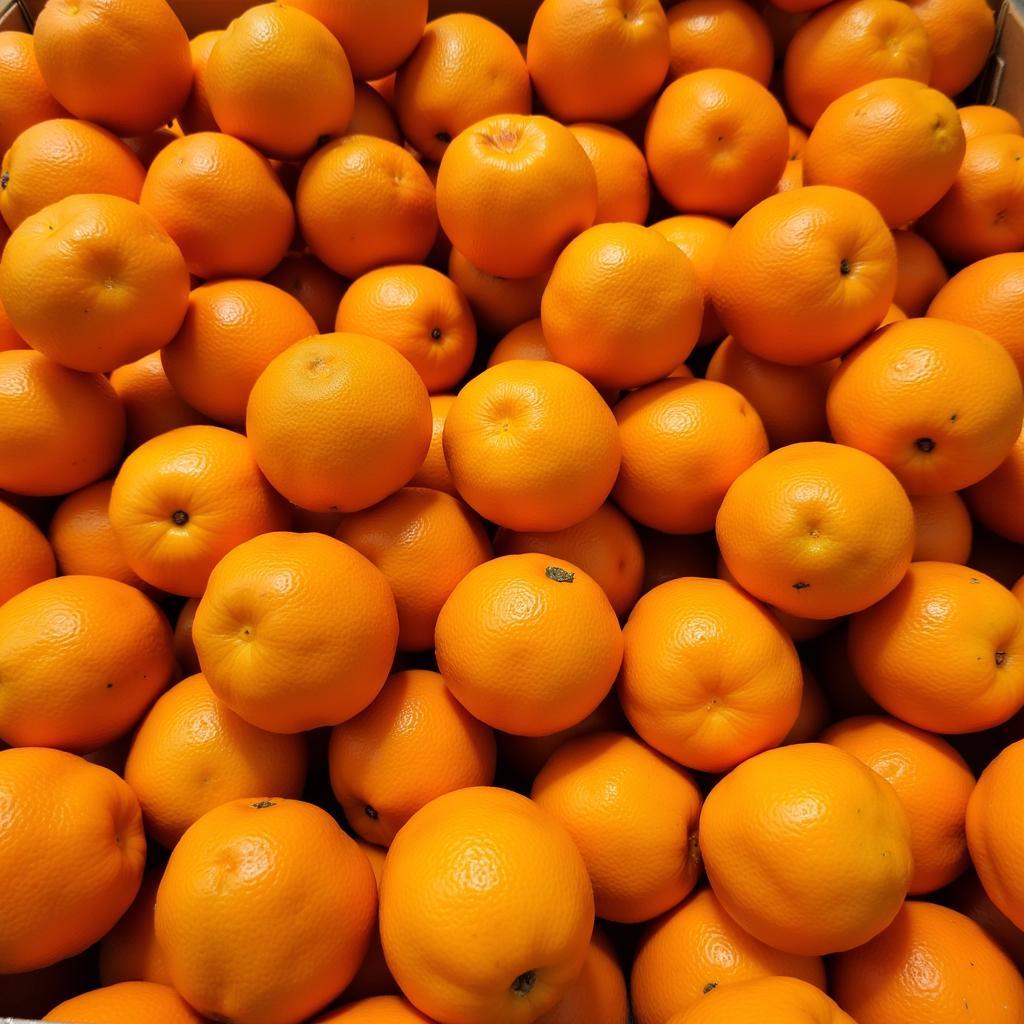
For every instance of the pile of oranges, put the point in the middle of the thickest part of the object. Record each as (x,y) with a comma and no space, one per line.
(511,533)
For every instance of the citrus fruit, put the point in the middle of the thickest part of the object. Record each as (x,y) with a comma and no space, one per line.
(920,274)
(942,528)
(318,288)
(129,951)
(792,1002)
(127,1000)
(25,101)
(195,115)
(433,472)
(30,559)
(623,189)
(996,500)
(719,34)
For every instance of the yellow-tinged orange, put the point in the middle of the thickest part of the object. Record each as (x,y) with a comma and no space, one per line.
(29,559)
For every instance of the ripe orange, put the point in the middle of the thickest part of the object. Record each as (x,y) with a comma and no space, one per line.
(184,648)
(413,743)
(195,115)
(486,908)
(418,311)
(969,898)
(708,675)
(372,115)
(231,332)
(982,119)
(719,34)
(818,530)
(93,282)
(942,528)
(792,1002)
(574,43)
(528,645)
(793,173)
(599,993)
(55,159)
(29,558)
(716,142)
(815,712)
(996,500)
(241,865)
(433,472)
(919,273)
(531,446)
(279,80)
(128,1000)
(319,289)
(805,275)
(379,192)
(373,977)
(222,203)
(931,964)
(25,100)
(498,303)
(623,190)
(146,147)
(129,951)
(960,36)
(339,421)
(73,838)
(9,337)
(375,1010)
(464,68)
(122,63)
(944,651)
(526,341)
(939,404)
(59,429)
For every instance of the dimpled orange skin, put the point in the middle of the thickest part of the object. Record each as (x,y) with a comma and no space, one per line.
(920,274)
(938,403)
(797,825)
(512,190)
(708,675)
(413,743)
(633,816)
(996,500)
(486,909)
(498,303)
(716,142)
(531,446)
(433,472)
(195,115)
(697,945)
(623,188)
(278,79)
(25,101)
(910,171)
(792,1002)
(231,332)
(719,33)
(931,964)
(249,862)
(805,275)
(9,337)
(82,658)
(184,499)
(528,644)
(73,838)
(623,306)
(93,282)
(942,528)
(918,765)
(944,651)
(192,753)
(29,559)
(684,442)
(526,341)
(981,119)
(960,36)
(129,951)
(317,287)
(376,1010)
(128,1000)
(817,529)
(222,203)
(599,993)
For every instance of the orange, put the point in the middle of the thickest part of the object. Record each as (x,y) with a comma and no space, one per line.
(486,909)
(919,273)
(59,429)
(901,123)
(151,405)
(424,542)
(942,528)
(793,172)
(373,977)
(708,675)
(146,147)
(938,403)
(792,1002)
(623,190)
(122,63)
(184,648)
(790,400)
(996,500)
(184,499)
(528,645)
(931,964)
(93,282)
(969,898)
(604,545)
(241,866)
(987,296)
(433,472)
(372,115)
(526,341)
(944,651)
(418,311)
(127,1000)
(719,34)
(684,442)
(231,332)
(850,44)
(671,556)
(279,80)
(701,240)
(498,303)
(633,816)
(129,951)
(83,539)
(54,159)
(919,766)
(983,213)
(305,278)
(805,275)
(464,68)
(195,115)
(413,743)
(73,838)
(29,558)
(379,192)
(531,446)
(981,119)
(339,421)
(815,712)
(25,100)
(599,993)
(375,1010)
(9,337)
(716,142)
(623,305)
(574,43)
(960,36)
(222,204)
(696,949)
